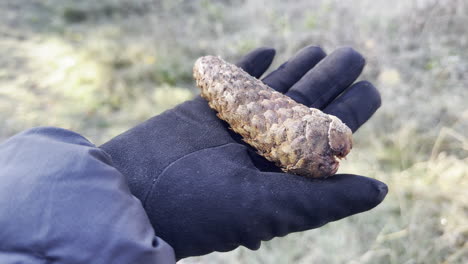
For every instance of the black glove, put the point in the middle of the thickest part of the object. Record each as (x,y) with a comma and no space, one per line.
(206,191)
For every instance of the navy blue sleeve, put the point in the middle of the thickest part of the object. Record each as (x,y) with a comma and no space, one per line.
(62,201)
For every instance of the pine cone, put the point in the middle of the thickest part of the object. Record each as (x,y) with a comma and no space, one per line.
(300,140)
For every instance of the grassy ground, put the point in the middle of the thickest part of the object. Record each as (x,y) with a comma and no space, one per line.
(99,67)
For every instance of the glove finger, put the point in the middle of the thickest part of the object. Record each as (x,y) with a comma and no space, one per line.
(293,203)
(257,61)
(292,71)
(356,105)
(328,79)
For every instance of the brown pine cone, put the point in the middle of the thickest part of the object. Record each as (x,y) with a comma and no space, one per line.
(300,140)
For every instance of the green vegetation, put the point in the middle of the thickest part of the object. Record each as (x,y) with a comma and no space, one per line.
(100,67)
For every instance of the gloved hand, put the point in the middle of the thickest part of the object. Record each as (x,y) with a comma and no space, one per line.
(204,190)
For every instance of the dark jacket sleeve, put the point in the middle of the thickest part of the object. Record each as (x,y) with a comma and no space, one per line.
(62,201)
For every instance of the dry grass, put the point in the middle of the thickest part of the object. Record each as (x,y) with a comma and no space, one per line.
(99,67)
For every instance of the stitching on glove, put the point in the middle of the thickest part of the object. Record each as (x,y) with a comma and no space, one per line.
(173,162)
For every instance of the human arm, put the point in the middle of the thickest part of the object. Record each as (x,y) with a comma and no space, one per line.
(62,201)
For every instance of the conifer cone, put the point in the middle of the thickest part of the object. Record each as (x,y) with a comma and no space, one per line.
(300,140)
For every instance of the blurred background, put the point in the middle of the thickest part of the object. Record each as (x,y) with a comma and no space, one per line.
(101,67)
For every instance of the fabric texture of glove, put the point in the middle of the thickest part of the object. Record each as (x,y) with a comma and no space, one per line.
(205,190)
(62,201)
